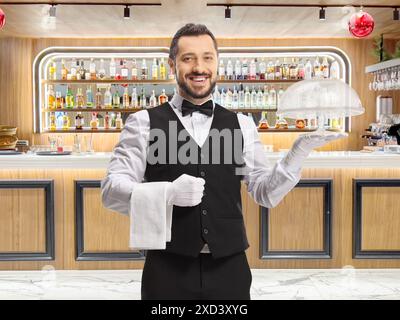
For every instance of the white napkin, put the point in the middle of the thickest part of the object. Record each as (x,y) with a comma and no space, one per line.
(150,217)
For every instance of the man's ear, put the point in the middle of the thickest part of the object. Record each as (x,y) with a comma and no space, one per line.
(172,65)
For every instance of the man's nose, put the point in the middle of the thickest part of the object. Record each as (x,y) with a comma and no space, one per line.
(199,66)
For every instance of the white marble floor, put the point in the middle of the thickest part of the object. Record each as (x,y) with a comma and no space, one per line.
(268,284)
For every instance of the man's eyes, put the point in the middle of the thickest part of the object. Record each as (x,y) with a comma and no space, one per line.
(187,59)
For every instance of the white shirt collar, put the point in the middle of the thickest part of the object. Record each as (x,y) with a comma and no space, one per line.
(177,100)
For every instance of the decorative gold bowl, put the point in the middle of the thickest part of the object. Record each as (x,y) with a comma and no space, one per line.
(7,130)
(8,142)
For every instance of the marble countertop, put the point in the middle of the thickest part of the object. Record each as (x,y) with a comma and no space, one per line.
(99,160)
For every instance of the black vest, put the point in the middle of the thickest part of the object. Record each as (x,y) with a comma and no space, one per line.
(218,219)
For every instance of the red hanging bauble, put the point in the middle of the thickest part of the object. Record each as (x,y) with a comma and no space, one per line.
(2,19)
(361,24)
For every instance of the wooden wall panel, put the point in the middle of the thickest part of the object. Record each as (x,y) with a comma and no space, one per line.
(297,222)
(380,218)
(22,226)
(104,230)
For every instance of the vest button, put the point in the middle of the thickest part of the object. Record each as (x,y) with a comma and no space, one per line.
(204,212)
(202,173)
(205,231)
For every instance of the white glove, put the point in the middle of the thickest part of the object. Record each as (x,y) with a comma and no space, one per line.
(305,143)
(185,191)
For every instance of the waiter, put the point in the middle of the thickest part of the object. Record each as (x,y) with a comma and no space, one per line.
(205,258)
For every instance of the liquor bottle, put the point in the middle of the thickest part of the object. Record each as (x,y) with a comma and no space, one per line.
(99,99)
(82,71)
(152,100)
(143,100)
(308,73)
(171,75)
(134,99)
(245,70)
(263,123)
(113,68)
(271,71)
(59,120)
(235,98)
(52,70)
(238,70)
(92,69)
(108,98)
(265,102)
(65,121)
(301,70)
(154,69)
(102,70)
(228,99)
(79,121)
(278,70)
(221,70)
(162,98)
(285,70)
(59,100)
(52,119)
(79,98)
(259,98)
(51,98)
(69,99)
(74,70)
(241,96)
(118,71)
(263,69)
(223,97)
(163,70)
(280,93)
(124,71)
(89,97)
(217,95)
(118,121)
(325,68)
(125,98)
(253,100)
(134,70)
(229,70)
(107,121)
(116,99)
(143,74)
(293,70)
(253,70)
(247,98)
(317,68)
(272,98)
(94,123)
(64,70)
(334,72)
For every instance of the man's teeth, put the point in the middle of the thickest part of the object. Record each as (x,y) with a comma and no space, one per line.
(199,79)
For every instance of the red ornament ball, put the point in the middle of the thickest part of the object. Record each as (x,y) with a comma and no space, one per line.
(361,24)
(2,19)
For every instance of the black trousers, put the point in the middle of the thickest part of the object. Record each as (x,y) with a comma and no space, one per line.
(169,276)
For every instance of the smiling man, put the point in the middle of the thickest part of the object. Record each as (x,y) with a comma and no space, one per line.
(204,257)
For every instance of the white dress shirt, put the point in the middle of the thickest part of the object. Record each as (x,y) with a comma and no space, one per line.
(124,191)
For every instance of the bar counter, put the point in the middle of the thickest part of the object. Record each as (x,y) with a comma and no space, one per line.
(343,212)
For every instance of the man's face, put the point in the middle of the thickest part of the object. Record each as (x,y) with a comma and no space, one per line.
(196,65)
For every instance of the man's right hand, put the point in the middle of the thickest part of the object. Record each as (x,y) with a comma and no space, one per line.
(185,191)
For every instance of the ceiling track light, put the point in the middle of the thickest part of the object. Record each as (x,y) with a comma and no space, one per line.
(322,13)
(228,12)
(127,12)
(52,11)
(396,14)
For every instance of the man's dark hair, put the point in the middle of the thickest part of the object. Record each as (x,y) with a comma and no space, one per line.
(189,29)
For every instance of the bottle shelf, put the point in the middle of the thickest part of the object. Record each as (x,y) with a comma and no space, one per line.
(83,130)
(131,110)
(111,81)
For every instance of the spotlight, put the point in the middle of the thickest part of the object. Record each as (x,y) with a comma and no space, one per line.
(322,13)
(396,14)
(127,12)
(227,12)
(52,11)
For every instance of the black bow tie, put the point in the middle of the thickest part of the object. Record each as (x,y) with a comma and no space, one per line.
(205,108)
